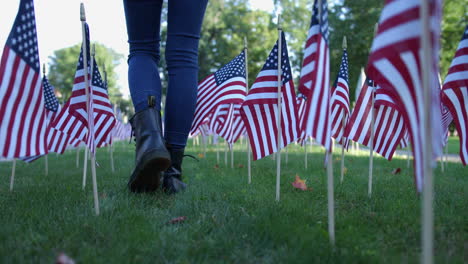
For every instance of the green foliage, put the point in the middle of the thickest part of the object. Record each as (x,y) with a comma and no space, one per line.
(63,66)
(455,19)
(228,220)
(225,26)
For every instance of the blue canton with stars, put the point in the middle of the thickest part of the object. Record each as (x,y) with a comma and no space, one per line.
(51,102)
(324,21)
(96,79)
(272,60)
(23,37)
(465,35)
(344,66)
(235,68)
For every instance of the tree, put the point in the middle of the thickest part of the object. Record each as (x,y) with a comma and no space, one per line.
(63,67)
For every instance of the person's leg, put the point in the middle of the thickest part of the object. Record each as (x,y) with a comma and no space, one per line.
(185,19)
(143,19)
(151,155)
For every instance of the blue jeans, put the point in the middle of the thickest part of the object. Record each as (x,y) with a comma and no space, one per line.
(185,18)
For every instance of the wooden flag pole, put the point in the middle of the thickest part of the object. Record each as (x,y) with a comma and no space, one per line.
(427,234)
(12,178)
(279,139)
(85,166)
(88,96)
(217,151)
(408,152)
(446,155)
(204,145)
(226,154)
(371,147)
(331,197)
(342,150)
(343,123)
(249,168)
(77,157)
(232,156)
(305,150)
(111,146)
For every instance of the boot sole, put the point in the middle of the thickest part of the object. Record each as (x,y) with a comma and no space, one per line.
(146,175)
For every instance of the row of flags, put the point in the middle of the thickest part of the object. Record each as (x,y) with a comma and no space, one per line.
(33,122)
(390,103)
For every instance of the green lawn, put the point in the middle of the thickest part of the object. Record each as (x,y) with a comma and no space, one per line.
(228,220)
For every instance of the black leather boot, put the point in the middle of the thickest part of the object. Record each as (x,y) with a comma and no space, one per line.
(152,157)
(172,182)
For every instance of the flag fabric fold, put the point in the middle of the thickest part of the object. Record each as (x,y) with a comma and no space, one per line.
(340,103)
(314,81)
(455,95)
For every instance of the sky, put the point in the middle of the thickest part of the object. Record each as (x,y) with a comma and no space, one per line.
(58,26)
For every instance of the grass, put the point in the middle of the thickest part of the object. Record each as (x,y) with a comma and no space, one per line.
(228,220)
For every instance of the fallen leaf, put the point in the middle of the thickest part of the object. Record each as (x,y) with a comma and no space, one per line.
(201,155)
(345,170)
(396,171)
(299,184)
(240,165)
(216,166)
(177,220)
(64,259)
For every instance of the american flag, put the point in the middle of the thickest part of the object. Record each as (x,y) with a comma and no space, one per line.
(358,128)
(340,102)
(259,111)
(455,93)
(227,85)
(389,126)
(388,123)
(104,119)
(314,80)
(394,63)
(56,140)
(73,119)
(22,114)
(81,101)
(227,122)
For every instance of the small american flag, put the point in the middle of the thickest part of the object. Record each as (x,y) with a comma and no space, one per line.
(22,114)
(455,94)
(81,106)
(314,80)
(340,102)
(259,111)
(227,122)
(388,123)
(225,86)
(389,126)
(395,63)
(104,119)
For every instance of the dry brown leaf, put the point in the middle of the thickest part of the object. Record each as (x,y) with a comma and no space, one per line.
(299,184)
(177,220)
